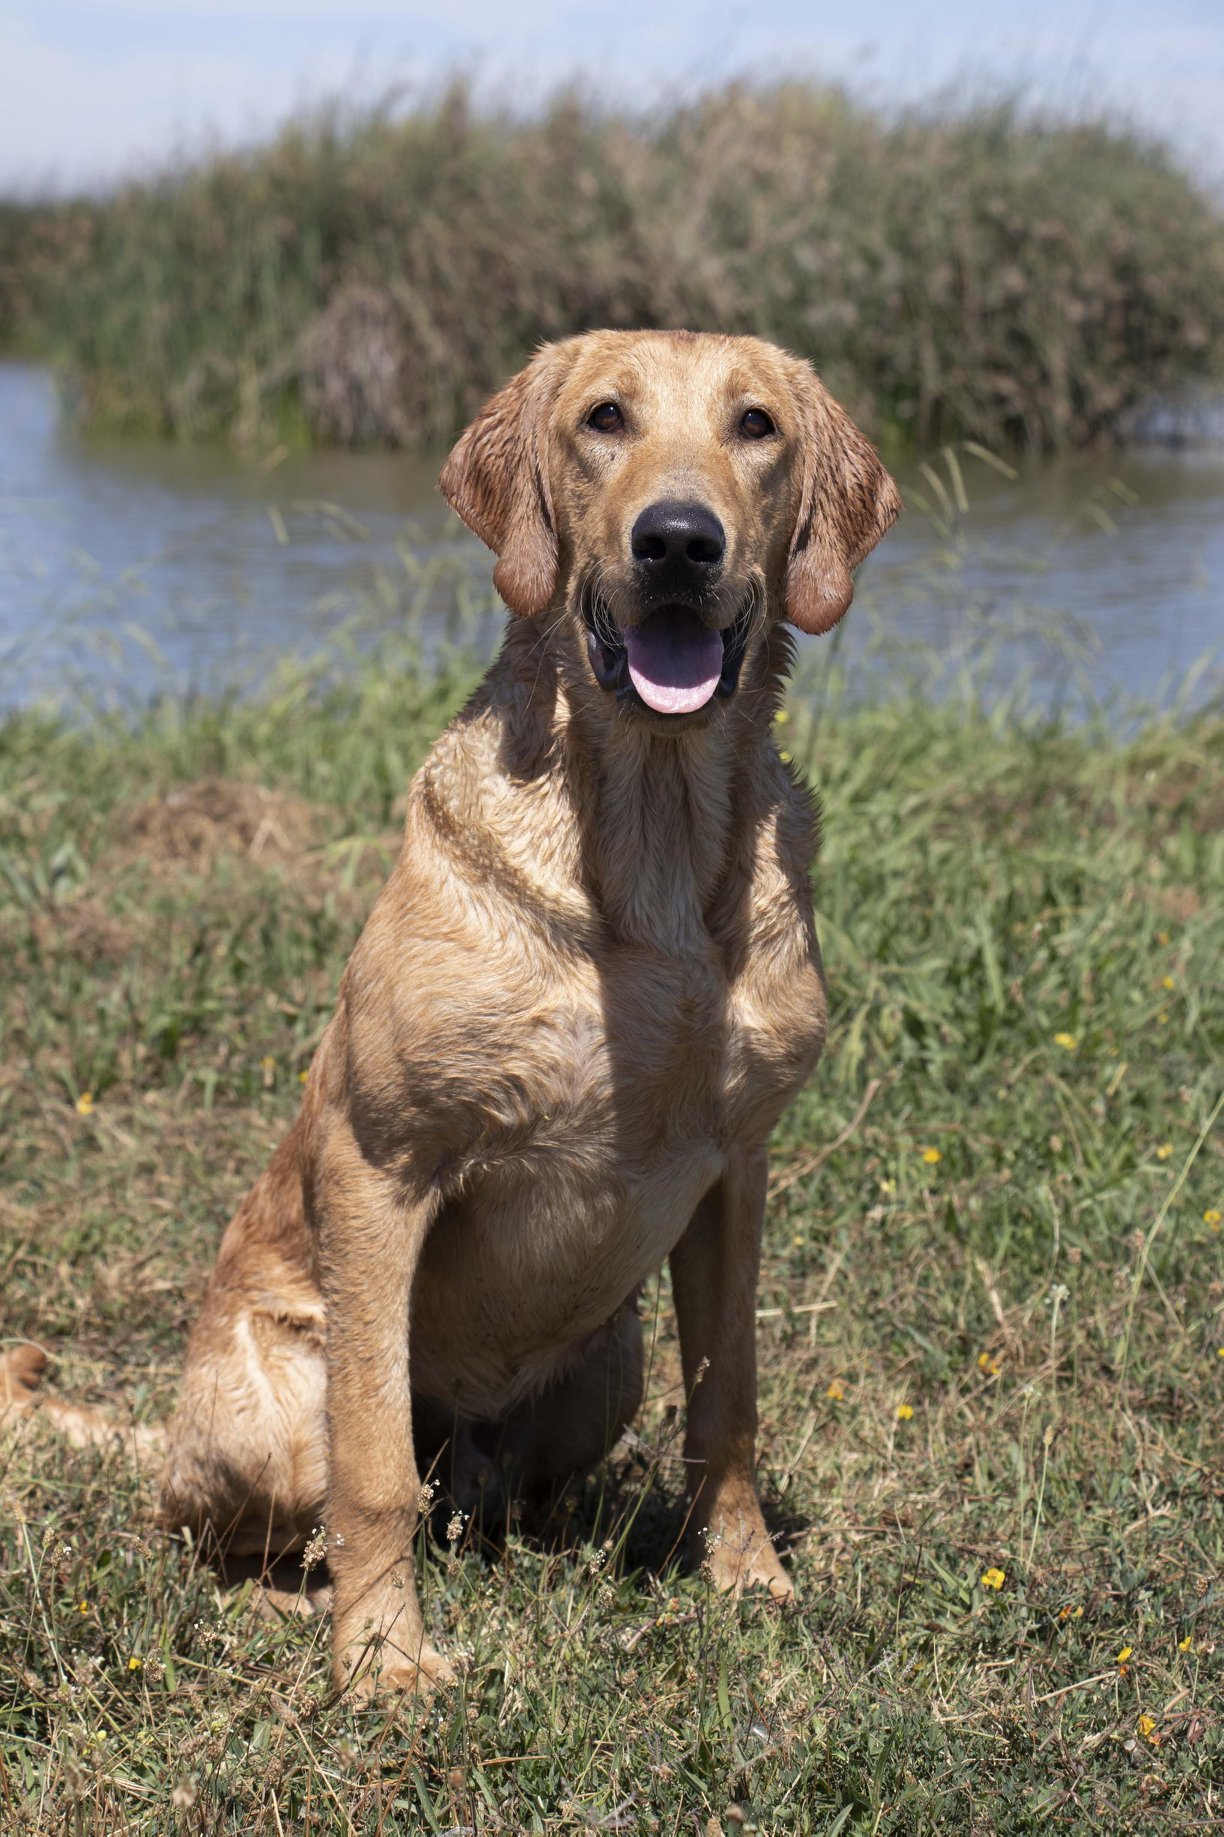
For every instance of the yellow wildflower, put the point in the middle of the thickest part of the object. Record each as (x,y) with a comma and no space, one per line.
(1124,1654)
(1163,1017)
(785,758)
(1220,1352)
(135,1664)
(781,717)
(994,1578)
(1186,1644)
(836,1392)
(82,1607)
(1213,1217)
(932,1156)
(303,1076)
(1071,1613)
(1067,1041)
(991,1366)
(904,1411)
(1147,1728)
(85,1104)
(1164,1150)
(1167,982)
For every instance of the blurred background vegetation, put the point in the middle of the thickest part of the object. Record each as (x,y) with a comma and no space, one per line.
(368,277)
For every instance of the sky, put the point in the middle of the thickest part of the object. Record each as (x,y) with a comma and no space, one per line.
(96,90)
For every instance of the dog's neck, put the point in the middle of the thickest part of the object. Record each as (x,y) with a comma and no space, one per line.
(656,828)
(650,825)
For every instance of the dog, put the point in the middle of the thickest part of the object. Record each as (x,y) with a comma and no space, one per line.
(581,1003)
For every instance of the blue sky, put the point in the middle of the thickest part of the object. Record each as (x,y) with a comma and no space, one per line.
(95,89)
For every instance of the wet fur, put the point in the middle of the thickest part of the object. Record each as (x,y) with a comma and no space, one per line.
(580,1005)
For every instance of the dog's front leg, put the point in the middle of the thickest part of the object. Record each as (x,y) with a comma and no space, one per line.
(714,1279)
(371,1229)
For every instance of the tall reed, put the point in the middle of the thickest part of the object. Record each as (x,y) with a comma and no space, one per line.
(369,277)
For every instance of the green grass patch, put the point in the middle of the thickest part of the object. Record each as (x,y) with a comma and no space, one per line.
(991,1314)
(371,277)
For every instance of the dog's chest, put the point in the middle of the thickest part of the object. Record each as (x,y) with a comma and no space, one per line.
(638,1072)
(601,1132)
(607,1109)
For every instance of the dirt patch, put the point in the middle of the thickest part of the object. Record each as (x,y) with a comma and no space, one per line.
(191,825)
(1184,793)
(1179,903)
(83,927)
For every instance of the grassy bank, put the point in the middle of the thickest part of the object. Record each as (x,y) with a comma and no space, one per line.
(990,1333)
(372,278)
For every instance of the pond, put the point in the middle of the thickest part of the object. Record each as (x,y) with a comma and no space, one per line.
(130,569)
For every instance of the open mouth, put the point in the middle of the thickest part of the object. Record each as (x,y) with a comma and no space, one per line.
(671,662)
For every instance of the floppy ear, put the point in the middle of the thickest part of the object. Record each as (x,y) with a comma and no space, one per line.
(848,502)
(497,479)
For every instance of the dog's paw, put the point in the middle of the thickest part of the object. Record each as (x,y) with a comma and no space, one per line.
(744,1557)
(766,1571)
(376,1677)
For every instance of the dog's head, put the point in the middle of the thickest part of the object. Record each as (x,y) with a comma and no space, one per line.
(673,493)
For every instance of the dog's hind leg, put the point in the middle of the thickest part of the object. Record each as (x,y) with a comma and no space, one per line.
(243,1459)
(246,1465)
(246,1459)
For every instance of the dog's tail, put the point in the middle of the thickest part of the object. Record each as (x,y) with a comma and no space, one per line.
(85,1426)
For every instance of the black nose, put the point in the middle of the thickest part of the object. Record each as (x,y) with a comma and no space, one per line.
(677,539)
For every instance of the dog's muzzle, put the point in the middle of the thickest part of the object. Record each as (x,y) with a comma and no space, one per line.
(671,661)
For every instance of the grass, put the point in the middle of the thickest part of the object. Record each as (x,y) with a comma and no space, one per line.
(990,1330)
(370,277)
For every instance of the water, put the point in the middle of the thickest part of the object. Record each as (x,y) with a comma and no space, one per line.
(132,568)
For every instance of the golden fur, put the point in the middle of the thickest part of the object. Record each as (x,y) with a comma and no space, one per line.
(580,1005)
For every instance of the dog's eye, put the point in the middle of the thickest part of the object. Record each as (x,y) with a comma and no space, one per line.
(755,424)
(606,419)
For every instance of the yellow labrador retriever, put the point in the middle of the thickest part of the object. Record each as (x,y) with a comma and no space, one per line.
(580,1005)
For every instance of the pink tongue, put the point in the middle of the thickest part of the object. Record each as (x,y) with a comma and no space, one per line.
(675,661)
